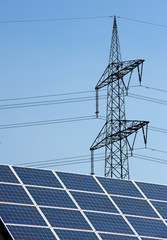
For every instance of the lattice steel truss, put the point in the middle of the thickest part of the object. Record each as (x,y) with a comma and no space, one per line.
(115,132)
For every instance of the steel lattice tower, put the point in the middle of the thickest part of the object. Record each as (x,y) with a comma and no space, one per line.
(115,132)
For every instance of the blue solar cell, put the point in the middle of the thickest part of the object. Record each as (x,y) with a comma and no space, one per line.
(6,175)
(161,207)
(108,223)
(79,182)
(51,197)
(13,193)
(91,201)
(149,227)
(150,238)
(119,187)
(18,214)
(37,177)
(77,235)
(116,237)
(65,218)
(31,233)
(133,206)
(153,191)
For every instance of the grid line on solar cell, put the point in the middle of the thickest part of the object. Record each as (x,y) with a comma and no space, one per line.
(37,177)
(51,197)
(149,227)
(21,215)
(79,182)
(138,207)
(119,187)
(65,218)
(109,223)
(6,175)
(96,202)
(27,233)
(77,235)
(13,193)
(153,191)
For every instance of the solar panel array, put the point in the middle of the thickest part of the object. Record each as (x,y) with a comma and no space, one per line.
(44,205)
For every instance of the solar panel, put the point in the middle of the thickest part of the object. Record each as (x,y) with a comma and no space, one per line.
(116,237)
(149,227)
(6,175)
(161,207)
(27,233)
(51,197)
(79,182)
(119,187)
(77,235)
(96,202)
(153,191)
(44,205)
(109,223)
(14,194)
(20,214)
(140,206)
(65,218)
(37,177)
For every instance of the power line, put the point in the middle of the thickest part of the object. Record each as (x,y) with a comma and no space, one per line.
(44,96)
(151,159)
(161,130)
(149,99)
(72,100)
(57,159)
(53,19)
(46,122)
(71,93)
(86,158)
(50,102)
(79,18)
(156,89)
(145,22)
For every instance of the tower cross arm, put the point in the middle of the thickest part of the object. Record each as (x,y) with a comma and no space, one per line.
(104,139)
(117,70)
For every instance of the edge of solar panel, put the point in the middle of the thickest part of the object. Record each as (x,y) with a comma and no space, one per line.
(84,174)
(99,190)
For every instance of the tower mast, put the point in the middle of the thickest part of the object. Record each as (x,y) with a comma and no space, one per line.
(115,132)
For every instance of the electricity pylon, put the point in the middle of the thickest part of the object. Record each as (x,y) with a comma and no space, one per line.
(115,132)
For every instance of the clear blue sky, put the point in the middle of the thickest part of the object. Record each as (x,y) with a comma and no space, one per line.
(69,56)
